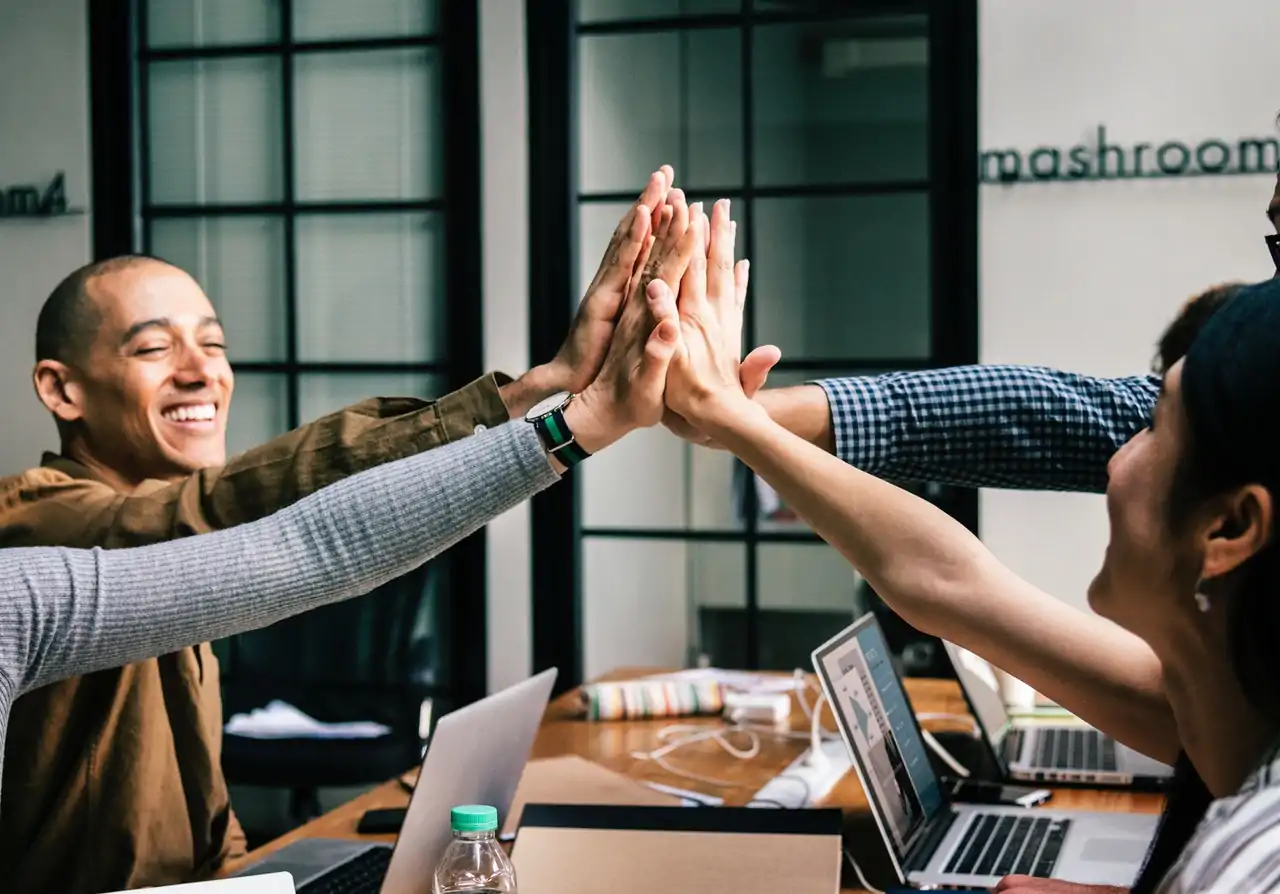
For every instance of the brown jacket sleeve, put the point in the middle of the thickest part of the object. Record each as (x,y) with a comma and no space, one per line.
(48,508)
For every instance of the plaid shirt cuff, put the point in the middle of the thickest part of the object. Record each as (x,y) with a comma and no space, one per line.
(1024,427)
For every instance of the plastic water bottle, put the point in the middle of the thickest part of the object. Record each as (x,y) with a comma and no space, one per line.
(474,862)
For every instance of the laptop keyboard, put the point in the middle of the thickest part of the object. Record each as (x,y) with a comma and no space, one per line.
(997,846)
(363,875)
(1075,749)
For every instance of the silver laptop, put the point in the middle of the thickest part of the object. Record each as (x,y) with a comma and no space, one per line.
(1070,753)
(476,756)
(933,842)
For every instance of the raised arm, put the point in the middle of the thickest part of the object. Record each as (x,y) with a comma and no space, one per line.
(1024,427)
(81,611)
(64,612)
(941,579)
(926,565)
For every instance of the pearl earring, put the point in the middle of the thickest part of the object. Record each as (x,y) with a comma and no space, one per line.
(1202,602)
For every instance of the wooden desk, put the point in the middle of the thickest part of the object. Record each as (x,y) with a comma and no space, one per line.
(611,744)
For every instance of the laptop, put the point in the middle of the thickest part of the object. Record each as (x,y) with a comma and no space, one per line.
(476,756)
(1036,752)
(932,842)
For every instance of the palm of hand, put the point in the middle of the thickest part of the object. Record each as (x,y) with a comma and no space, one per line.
(584,350)
(667,258)
(712,295)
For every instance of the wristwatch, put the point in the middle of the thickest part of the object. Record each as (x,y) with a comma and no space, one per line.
(547,417)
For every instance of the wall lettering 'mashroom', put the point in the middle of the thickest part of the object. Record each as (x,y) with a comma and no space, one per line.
(1103,160)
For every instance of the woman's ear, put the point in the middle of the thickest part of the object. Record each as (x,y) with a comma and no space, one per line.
(1239,530)
(58,391)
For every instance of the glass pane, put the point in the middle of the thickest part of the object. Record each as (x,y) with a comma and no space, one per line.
(259,410)
(840,102)
(203,23)
(843,277)
(806,577)
(668,98)
(658,603)
(240,263)
(611,10)
(652,479)
(214,130)
(808,593)
(320,394)
(347,19)
(370,288)
(367,125)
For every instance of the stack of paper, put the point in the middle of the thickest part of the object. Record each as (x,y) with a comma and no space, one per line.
(281,720)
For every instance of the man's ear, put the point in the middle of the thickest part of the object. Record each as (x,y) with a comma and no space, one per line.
(1240,530)
(58,391)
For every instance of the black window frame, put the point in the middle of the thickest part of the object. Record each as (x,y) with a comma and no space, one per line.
(122,213)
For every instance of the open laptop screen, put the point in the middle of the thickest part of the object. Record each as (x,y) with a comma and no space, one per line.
(876,718)
(982,691)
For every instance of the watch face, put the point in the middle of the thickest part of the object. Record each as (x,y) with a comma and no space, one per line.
(543,407)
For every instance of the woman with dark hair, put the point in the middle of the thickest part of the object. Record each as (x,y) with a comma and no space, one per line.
(1187,589)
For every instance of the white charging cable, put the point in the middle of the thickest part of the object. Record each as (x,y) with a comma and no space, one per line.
(862,879)
(937,748)
(688,734)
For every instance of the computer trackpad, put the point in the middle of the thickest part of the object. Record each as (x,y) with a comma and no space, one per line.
(307,858)
(1114,850)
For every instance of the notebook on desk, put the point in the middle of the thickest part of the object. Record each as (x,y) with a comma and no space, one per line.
(586,849)
(275,883)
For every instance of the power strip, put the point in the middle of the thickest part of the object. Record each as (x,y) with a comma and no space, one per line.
(801,785)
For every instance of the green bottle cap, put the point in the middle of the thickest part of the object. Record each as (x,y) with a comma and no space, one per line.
(473,818)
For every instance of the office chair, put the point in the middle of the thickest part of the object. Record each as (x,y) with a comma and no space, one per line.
(371,658)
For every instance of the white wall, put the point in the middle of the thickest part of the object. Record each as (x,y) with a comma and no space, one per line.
(505,179)
(44,128)
(1085,275)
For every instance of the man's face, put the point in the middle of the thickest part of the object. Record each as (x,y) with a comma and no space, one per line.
(157,385)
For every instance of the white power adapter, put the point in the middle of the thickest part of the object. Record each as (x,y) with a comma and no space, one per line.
(766,709)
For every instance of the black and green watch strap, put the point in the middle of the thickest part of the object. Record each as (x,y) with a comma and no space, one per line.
(558,439)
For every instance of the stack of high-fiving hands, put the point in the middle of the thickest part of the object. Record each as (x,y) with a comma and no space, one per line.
(661,326)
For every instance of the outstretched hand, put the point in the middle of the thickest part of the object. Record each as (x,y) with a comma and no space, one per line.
(625,395)
(706,375)
(583,352)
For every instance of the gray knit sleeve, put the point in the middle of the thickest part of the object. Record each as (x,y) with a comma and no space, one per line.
(67,612)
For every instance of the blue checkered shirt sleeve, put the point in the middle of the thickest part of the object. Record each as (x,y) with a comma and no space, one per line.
(1024,427)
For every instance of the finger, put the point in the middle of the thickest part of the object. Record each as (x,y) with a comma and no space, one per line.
(651,377)
(662,302)
(671,267)
(655,191)
(640,263)
(680,215)
(650,198)
(720,255)
(741,278)
(756,366)
(619,265)
(693,284)
(665,213)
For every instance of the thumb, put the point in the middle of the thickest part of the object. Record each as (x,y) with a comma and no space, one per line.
(662,302)
(754,370)
(651,377)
